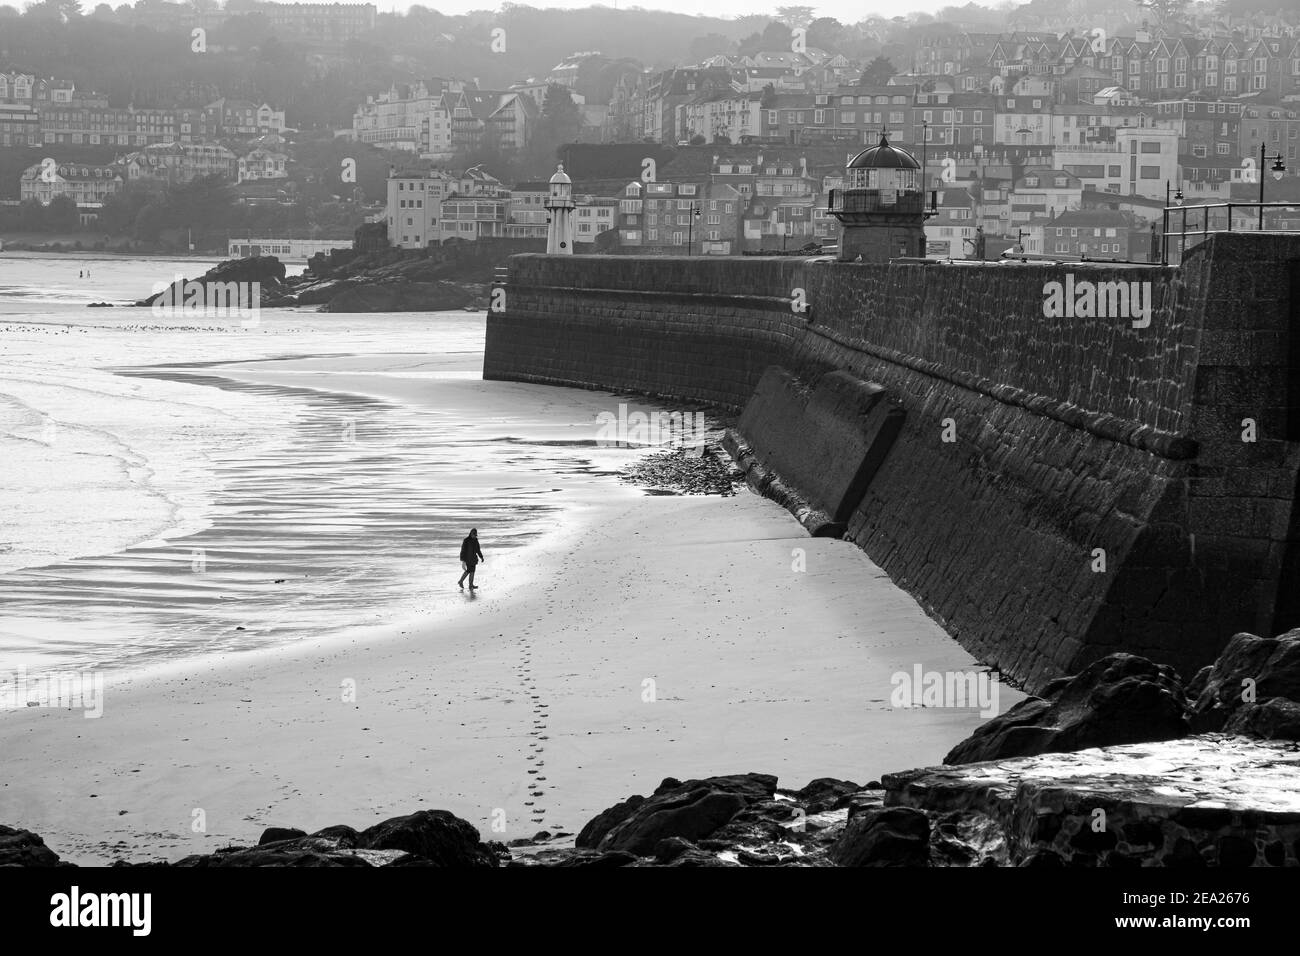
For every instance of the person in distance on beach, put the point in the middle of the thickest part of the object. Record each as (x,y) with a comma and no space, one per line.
(470,555)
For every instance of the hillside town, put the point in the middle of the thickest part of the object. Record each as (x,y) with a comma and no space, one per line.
(1069,140)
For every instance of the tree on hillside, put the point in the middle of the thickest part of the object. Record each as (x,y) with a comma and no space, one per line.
(63,11)
(826,33)
(1165,11)
(560,115)
(61,215)
(795,16)
(878,72)
(775,36)
(711,44)
(559,123)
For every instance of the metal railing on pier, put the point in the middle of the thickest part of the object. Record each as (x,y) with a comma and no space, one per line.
(1197,223)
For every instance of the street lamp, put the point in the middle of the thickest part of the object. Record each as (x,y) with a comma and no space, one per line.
(690,226)
(1164,240)
(1277,169)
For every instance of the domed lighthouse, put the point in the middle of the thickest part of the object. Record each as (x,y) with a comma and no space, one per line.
(559,234)
(882,210)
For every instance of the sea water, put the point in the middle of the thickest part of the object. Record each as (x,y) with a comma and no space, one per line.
(169,489)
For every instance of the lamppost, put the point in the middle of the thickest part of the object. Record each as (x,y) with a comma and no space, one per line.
(690,226)
(1164,235)
(925,136)
(1278,169)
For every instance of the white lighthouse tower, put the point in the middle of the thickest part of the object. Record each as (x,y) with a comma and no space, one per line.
(559,235)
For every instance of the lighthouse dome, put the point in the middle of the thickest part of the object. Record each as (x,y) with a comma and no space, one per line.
(560,176)
(884,156)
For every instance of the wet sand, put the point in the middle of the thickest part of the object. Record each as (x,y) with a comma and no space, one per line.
(642,637)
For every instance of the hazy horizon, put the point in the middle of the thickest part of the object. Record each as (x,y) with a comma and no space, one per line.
(842,10)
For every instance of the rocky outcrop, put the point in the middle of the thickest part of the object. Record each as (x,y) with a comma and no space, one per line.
(826,793)
(1199,801)
(889,836)
(277,834)
(598,826)
(1206,800)
(425,838)
(1120,699)
(434,835)
(406,285)
(25,848)
(1275,719)
(692,810)
(1253,688)
(399,296)
(267,271)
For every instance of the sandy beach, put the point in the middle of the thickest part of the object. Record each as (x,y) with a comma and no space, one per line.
(638,637)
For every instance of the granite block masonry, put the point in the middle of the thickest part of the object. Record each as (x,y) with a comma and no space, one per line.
(1051,488)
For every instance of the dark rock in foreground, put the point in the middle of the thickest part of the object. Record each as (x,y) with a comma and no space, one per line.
(1100,771)
(25,848)
(691,810)
(1199,801)
(1254,687)
(1120,699)
(426,838)
(889,836)
(434,835)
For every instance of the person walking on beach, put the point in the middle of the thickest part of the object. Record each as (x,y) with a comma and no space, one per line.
(470,555)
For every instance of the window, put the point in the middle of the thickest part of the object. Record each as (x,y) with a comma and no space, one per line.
(846,117)
(1149,172)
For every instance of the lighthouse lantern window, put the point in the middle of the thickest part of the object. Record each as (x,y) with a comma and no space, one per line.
(887,178)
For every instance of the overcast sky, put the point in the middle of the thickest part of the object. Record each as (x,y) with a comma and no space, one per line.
(846,11)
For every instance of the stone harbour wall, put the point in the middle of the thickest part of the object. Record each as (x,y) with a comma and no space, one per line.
(1053,484)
